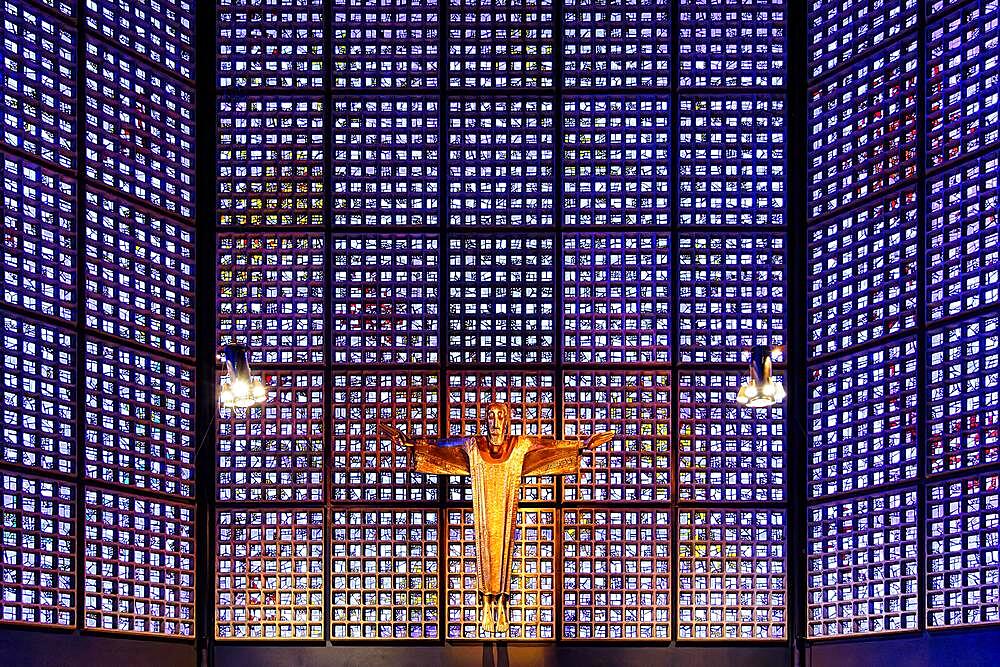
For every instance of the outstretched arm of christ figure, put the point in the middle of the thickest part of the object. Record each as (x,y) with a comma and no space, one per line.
(549,456)
(436,457)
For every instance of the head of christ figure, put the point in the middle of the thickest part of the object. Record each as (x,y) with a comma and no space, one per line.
(498,423)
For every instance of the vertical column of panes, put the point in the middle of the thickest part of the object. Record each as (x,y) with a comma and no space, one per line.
(863,301)
(272,202)
(731,296)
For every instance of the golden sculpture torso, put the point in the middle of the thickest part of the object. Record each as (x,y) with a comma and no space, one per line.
(496,464)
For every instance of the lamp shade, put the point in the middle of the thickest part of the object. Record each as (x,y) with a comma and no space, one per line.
(761,390)
(239,388)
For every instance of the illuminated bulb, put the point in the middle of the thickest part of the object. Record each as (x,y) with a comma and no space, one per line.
(760,390)
(239,388)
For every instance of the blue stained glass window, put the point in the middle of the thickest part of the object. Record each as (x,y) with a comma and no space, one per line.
(727,453)
(620,43)
(140,130)
(500,161)
(274,452)
(730,43)
(500,43)
(38,77)
(635,466)
(616,160)
(39,538)
(841,31)
(385,299)
(732,160)
(963,237)
(139,565)
(269,43)
(385,44)
(863,414)
(270,161)
(138,420)
(39,382)
(862,565)
(963,553)
(963,82)
(732,295)
(616,298)
(862,127)
(162,31)
(39,250)
(270,295)
(385,161)
(963,384)
(863,274)
(139,274)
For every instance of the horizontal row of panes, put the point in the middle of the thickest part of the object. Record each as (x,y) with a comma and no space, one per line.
(388,567)
(499,160)
(381,45)
(502,301)
(727,453)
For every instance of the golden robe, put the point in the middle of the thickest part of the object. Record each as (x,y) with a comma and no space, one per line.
(496,489)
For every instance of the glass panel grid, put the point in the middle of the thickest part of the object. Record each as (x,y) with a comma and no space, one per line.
(963,388)
(38,535)
(963,82)
(863,414)
(727,453)
(139,130)
(616,160)
(862,126)
(616,298)
(38,73)
(139,564)
(500,43)
(500,161)
(271,295)
(274,452)
(616,574)
(385,567)
(732,43)
(39,385)
(270,161)
(841,31)
(138,420)
(732,295)
(385,161)
(963,552)
(532,398)
(502,299)
(139,275)
(963,238)
(269,575)
(732,160)
(531,609)
(863,270)
(731,574)
(385,44)
(616,43)
(385,299)
(268,43)
(862,565)
(162,31)
(635,466)
(367,466)
(38,254)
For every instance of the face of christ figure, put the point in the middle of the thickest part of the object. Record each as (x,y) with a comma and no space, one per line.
(496,465)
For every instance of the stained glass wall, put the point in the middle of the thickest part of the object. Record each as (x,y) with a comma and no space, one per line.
(576,206)
(903,204)
(97,470)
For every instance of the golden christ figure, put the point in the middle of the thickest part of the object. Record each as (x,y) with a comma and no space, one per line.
(496,463)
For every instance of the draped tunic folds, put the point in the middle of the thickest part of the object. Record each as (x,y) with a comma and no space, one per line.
(496,486)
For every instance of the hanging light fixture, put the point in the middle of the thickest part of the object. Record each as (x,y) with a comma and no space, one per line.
(761,390)
(239,388)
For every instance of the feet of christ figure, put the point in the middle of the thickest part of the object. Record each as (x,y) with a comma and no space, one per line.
(496,462)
